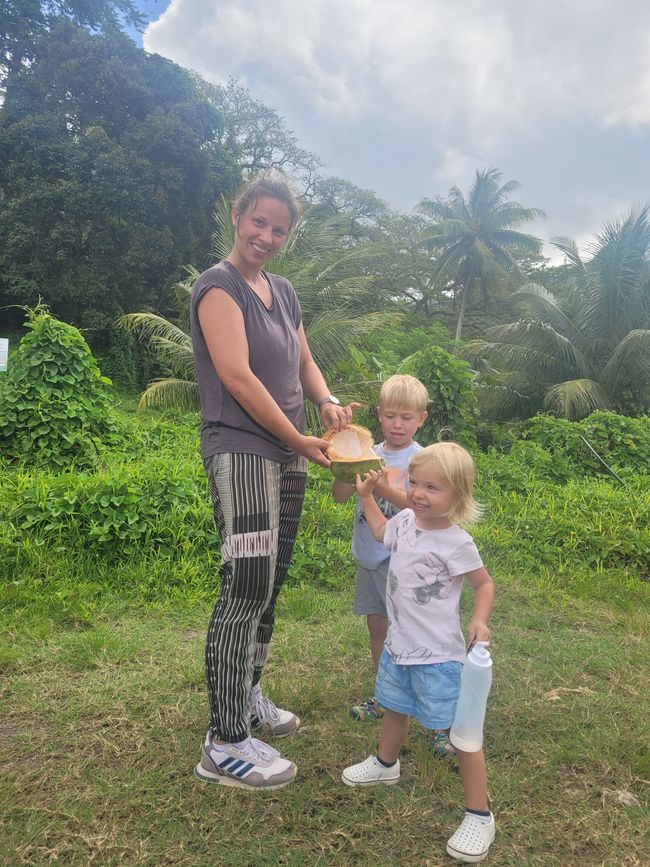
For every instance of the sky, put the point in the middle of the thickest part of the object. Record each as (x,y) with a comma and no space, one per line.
(410,97)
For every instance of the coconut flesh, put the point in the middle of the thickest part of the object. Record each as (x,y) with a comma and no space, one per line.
(350,451)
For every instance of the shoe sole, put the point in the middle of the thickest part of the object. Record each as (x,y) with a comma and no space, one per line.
(207,777)
(465,856)
(269,731)
(364,785)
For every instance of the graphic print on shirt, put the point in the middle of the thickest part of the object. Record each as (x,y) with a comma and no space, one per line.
(433,567)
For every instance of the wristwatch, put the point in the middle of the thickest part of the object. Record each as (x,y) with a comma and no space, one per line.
(329,399)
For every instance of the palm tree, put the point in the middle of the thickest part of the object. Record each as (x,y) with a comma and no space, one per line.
(477,238)
(335,292)
(589,350)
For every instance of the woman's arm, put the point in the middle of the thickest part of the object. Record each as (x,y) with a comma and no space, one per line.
(222,323)
(315,388)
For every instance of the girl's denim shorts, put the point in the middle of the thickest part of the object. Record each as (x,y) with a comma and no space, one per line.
(427,692)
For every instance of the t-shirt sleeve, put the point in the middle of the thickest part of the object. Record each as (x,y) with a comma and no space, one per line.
(294,305)
(214,278)
(390,532)
(465,559)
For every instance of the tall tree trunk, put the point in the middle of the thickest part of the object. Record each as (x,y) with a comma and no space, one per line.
(461,312)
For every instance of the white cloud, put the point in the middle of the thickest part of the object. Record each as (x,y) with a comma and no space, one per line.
(481,70)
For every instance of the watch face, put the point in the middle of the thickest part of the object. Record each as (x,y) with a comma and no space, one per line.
(335,400)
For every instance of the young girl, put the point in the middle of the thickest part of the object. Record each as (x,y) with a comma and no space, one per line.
(419,669)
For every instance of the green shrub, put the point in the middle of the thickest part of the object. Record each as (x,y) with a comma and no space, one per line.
(55,406)
(139,509)
(453,411)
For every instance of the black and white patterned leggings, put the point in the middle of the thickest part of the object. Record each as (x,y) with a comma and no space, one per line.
(257,506)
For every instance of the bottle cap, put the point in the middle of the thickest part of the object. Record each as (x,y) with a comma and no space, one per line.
(479,655)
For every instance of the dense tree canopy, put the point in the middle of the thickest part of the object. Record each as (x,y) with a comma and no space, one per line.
(109,171)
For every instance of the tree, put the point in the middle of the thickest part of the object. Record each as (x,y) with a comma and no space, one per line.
(22,22)
(109,169)
(476,237)
(586,350)
(256,136)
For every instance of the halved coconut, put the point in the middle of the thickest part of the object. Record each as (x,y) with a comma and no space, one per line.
(350,451)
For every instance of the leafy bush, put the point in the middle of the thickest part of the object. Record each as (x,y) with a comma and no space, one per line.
(131,510)
(453,411)
(55,406)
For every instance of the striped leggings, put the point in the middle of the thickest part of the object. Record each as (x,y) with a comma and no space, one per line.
(257,506)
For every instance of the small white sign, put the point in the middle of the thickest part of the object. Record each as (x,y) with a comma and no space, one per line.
(4,353)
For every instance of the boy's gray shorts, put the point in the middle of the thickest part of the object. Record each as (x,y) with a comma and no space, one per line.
(370,590)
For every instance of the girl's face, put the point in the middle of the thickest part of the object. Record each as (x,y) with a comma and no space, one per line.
(431,498)
(261,230)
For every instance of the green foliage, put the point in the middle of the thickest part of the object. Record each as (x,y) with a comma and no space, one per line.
(453,412)
(580,350)
(55,406)
(114,516)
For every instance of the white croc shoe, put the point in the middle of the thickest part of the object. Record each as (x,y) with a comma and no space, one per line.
(371,773)
(471,842)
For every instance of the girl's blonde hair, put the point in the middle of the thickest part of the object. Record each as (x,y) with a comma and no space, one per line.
(455,465)
(404,392)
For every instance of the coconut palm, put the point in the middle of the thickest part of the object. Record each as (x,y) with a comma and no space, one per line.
(335,292)
(589,350)
(477,239)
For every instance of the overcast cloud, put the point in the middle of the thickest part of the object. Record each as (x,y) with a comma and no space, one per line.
(408,97)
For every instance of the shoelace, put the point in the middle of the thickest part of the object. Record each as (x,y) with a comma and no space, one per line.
(265,710)
(264,751)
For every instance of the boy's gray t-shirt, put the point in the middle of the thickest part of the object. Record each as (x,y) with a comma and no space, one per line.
(274,358)
(366,550)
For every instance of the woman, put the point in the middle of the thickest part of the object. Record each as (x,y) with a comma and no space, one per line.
(253,367)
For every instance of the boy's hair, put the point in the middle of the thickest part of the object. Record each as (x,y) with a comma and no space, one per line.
(272,186)
(404,391)
(455,465)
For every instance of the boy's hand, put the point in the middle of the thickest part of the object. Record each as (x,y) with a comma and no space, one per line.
(477,631)
(366,485)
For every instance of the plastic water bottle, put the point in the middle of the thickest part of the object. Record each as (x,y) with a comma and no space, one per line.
(467,729)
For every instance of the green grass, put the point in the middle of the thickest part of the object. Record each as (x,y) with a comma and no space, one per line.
(102,720)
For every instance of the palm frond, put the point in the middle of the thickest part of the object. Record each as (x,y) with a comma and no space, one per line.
(576,399)
(170,394)
(629,362)
(149,325)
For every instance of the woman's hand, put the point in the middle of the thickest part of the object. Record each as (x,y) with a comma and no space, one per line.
(337,417)
(313,448)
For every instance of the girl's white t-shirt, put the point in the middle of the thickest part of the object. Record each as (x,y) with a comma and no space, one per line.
(425,579)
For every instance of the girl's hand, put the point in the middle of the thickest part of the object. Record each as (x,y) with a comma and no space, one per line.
(337,417)
(477,631)
(366,485)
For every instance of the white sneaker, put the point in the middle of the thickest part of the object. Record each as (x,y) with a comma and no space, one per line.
(371,773)
(472,840)
(251,765)
(265,715)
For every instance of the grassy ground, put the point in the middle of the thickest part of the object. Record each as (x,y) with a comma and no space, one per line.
(102,723)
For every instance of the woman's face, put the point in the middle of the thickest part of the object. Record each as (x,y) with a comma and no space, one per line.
(261,230)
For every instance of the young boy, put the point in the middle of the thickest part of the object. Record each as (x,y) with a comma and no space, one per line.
(402,410)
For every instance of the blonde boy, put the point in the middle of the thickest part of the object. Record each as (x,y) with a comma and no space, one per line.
(402,410)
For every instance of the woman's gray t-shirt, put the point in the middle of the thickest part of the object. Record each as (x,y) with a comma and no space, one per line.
(274,358)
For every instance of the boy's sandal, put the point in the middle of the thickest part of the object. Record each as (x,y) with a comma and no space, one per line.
(441,745)
(369,709)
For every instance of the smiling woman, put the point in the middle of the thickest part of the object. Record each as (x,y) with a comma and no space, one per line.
(253,366)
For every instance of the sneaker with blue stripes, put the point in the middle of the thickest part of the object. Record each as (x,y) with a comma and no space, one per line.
(250,764)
